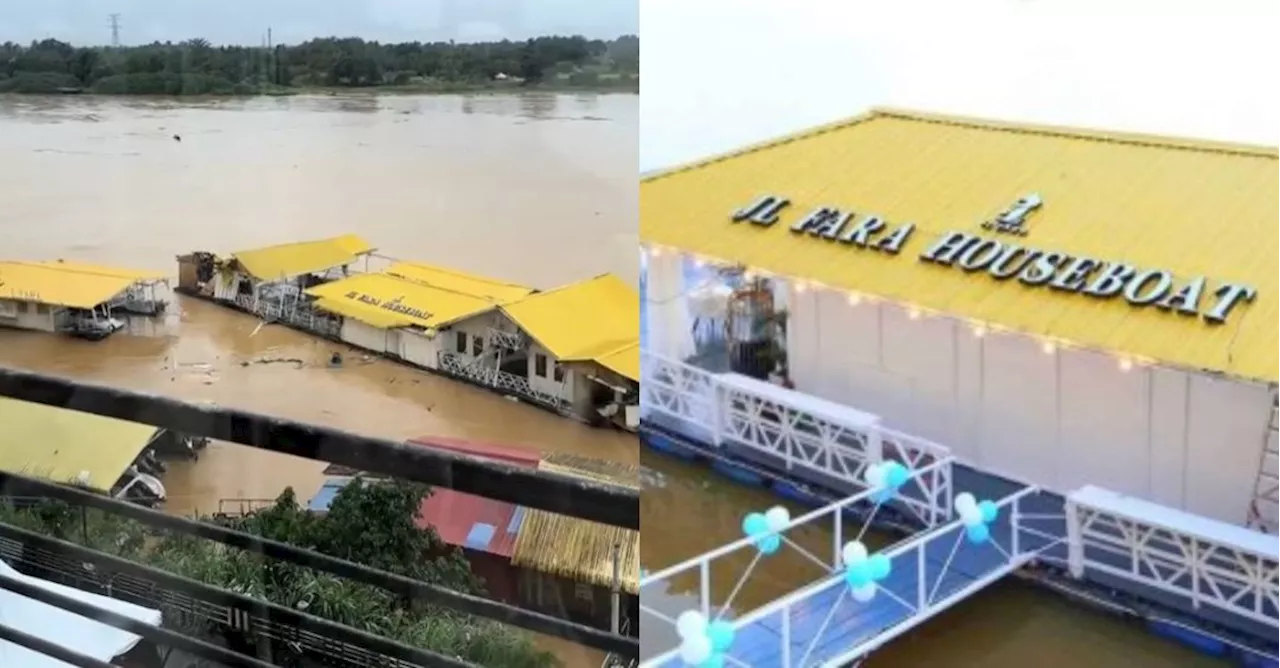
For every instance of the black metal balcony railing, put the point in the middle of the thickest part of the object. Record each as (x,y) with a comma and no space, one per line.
(315,636)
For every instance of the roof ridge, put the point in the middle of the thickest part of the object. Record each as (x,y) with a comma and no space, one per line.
(462,274)
(54,265)
(558,288)
(284,244)
(433,286)
(1136,139)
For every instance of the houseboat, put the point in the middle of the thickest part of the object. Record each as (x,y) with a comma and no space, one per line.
(122,459)
(535,346)
(1066,309)
(81,300)
(560,565)
(270,282)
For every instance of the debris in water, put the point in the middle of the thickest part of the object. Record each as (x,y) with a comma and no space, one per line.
(297,363)
(335,359)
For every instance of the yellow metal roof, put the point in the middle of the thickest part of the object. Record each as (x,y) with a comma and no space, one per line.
(457,281)
(582,320)
(578,549)
(1187,207)
(624,361)
(60,285)
(117,272)
(303,257)
(58,444)
(385,301)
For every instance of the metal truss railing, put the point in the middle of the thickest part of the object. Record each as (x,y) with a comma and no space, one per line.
(783,425)
(935,584)
(1197,566)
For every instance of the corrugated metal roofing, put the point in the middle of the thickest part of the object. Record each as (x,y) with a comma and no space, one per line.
(473,522)
(457,281)
(427,306)
(118,272)
(1191,208)
(325,495)
(58,444)
(582,321)
(624,361)
(60,285)
(302,257)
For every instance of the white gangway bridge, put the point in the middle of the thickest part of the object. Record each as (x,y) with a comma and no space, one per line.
(1226,571)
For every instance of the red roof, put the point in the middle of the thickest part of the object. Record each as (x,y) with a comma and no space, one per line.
(467,520)
(503,453)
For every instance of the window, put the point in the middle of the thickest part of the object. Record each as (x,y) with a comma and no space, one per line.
(477,345)
(540,365)
(42,309)
(558,372)
(462,342)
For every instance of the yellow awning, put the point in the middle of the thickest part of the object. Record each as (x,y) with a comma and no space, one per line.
(385,301)
(583,320)
(303,257)
(58,285)
(1193,209)
(59,444)
(457,281)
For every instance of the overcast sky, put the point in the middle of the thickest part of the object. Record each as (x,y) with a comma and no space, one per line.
(245,22)
(722,73)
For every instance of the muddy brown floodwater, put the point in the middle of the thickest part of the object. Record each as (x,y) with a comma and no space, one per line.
(539,189)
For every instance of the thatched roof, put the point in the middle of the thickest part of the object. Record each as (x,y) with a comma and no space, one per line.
(579,549)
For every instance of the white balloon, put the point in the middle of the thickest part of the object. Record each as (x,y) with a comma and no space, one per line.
(691,624)
(965,500)
(875,476)
(970,515)
(695,649)
(853,552)
(777,518)
(864,593)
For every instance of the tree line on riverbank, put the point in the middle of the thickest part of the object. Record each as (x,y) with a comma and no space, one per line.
(370,524)
(196,67)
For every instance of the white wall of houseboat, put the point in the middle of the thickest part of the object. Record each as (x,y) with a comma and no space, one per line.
(416,347)
(364,336)
(225,285)
(27,315)
(1060,419)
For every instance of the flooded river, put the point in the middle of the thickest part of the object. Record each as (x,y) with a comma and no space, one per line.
(500,185)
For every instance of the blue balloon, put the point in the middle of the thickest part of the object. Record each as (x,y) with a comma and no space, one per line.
(716,660)
(897,475)
(879,566)
(721,634)
(989,511)
(769,544)
(977,534)
(883,495)
(755,524)
(858,574)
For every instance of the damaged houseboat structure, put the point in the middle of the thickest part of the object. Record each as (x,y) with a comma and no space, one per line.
(573,349)
(270,282)
(82,300)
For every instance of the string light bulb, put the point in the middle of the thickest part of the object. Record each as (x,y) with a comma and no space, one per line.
(979,331)
(655,251)
(1126,364)
(913,313)
(801,287)
(1049,347)
(854,299)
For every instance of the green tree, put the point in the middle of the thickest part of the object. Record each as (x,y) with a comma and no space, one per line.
(373,524)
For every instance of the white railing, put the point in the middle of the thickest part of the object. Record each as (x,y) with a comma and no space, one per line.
(499,380)
(920,598)
(498,338)
(1208,563)
(800,431)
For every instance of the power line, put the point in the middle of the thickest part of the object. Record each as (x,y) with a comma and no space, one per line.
(115,29)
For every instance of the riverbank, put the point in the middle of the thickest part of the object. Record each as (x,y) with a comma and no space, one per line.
(190,86)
